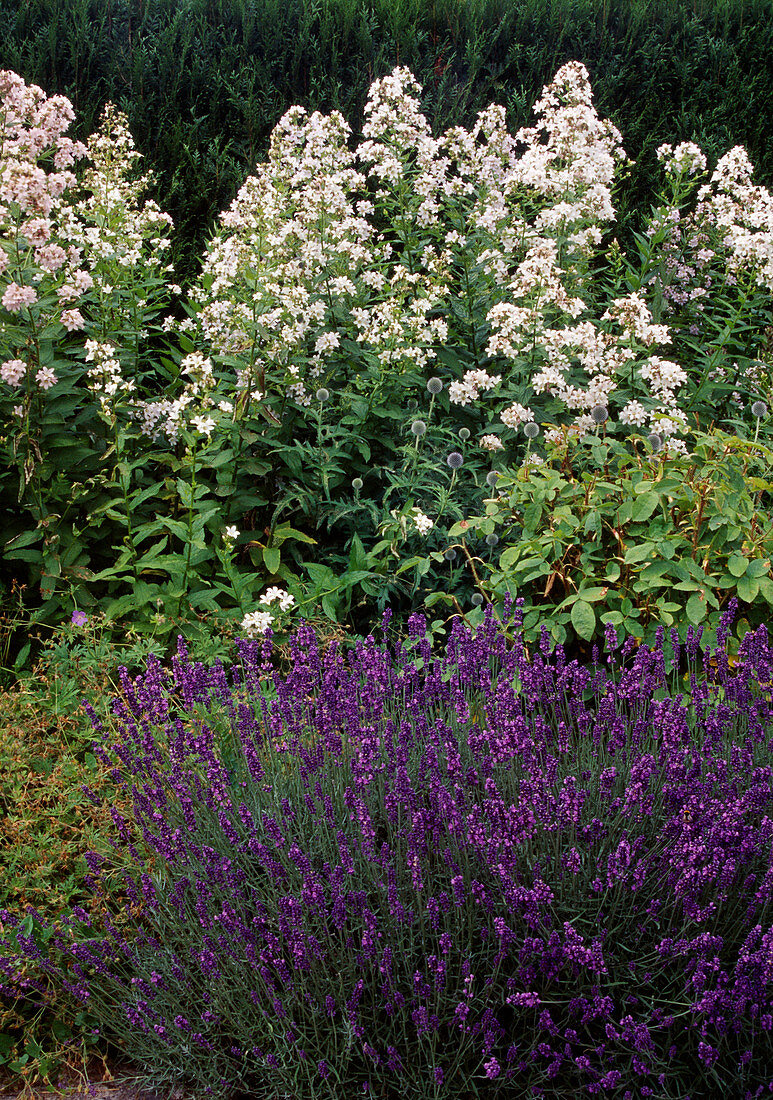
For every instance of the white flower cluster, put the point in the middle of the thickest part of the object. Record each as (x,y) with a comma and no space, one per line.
(686,157)
(743,214)
(105,378)
(109,226)
(468,390)
(423,523)
(258,622)
(333,259)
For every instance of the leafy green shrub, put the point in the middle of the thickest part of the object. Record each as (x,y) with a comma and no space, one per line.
(609,533)
(373,329)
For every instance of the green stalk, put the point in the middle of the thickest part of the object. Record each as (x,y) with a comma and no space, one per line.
(190,529)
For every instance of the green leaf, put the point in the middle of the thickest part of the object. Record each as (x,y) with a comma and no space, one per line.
(759,567)
(696,608)
(644,507)
(509,557)
(639,553)
(285,531)
(737,564)
(583,619)
(272,558)
(747,588)
(592,595)
(766,588)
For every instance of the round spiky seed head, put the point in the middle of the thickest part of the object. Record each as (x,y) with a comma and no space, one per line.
(413,404)
(655,440)
(464,434)
(531,430)
(476,599)
(322,394)
(434,385)
(599,414)
(759,409)
(418,428)
(492,477)
(454,460)
(356,483)
(450,554)
(492,539)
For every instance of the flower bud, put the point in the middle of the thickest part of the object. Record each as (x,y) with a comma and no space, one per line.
(434,385)
(322,394)
(476,599)
(418,428)
(492,477)
(599,414)
(492,539)
(357,483)
(464,434)
(759,409)
(454,460)
(531,430)
(450,554)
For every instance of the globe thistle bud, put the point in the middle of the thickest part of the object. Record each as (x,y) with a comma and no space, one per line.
(450,554)
(492,477)
(531,430)
(464,434)
(434,385)
(418,428)
(413,404)
(492,539)
(655,439)
(759,409)
(599,414)
(454,460)
(476,599)
(322,394)
(357,483)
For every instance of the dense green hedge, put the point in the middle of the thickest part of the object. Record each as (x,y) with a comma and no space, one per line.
(204,81)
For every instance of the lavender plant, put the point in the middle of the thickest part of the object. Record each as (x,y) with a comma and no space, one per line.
(440,877)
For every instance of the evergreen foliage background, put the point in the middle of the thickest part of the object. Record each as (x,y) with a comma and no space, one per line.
(205,81)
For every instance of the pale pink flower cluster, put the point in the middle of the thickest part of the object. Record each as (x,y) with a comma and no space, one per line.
(33,209)
(32,125)
(16,298)
(46,378)
(12,372)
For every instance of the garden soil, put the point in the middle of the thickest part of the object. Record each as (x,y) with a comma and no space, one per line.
(97,1082)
